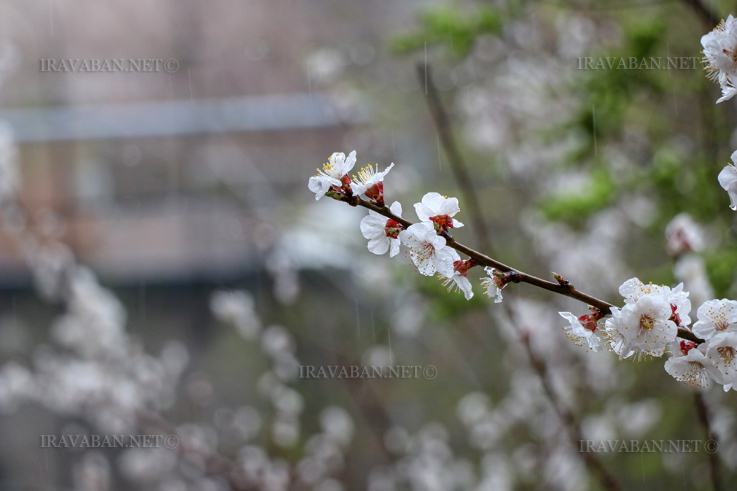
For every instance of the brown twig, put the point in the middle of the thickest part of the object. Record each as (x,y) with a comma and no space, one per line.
(703,413)
(561,288)
(569,421)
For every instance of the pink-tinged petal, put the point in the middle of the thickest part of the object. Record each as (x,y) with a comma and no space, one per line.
(379,245)
(396,208)
(372,227)
(394,247)
(449,206)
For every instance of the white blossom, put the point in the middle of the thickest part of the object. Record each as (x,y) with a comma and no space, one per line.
(428,250)
(580,334)
(728,180)
(683,234)
(459,282)
(645,327)
(438,209)
(690,365)
(721,351)
(615,339)
(382,232)
(633,289)
(368,177)
(332,173)
(720,56)
(716,316)
(493,285)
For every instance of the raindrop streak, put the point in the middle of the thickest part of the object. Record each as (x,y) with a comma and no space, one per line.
(309,81)
(142,301)
(674,101)
(593,119)
(171,86)
(425,67)
(391,358)
(189,76)
(358,322)
(51,17)
(438,138)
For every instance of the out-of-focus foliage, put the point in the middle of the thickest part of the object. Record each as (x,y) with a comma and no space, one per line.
(450,28)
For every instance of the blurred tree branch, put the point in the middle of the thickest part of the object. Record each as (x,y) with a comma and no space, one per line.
(569,420)
(703,413)
(445,134)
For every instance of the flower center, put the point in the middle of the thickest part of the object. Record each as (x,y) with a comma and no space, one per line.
(687,346)
(442,222)
(721,325)
(646,323)
(392,228)
(727,353)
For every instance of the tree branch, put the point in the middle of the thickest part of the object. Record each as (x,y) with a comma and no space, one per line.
(561,288)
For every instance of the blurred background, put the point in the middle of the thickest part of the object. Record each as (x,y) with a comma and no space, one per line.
(165,270)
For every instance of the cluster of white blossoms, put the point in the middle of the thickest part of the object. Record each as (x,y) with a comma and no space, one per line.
(720,55)
(333,179)
(720,61)
(646,326)
(426,240)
